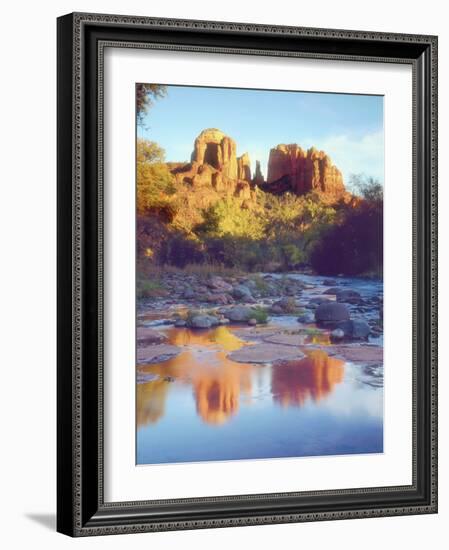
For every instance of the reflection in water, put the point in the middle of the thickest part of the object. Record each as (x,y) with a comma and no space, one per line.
(151,399)
(202,406)
(315,376)
(216,381)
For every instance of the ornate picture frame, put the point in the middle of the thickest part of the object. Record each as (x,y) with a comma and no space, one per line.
(81,507)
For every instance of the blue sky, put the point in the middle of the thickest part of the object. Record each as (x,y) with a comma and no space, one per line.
(348,127)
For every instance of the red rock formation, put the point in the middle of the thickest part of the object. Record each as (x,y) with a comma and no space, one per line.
(214,163)
(291,168)
(244,168)
(258,176)
(214,148)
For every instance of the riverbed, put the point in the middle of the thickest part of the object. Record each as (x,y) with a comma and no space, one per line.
(201,405)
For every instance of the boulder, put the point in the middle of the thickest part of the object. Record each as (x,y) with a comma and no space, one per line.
(147,335)
(331,312)
(317,300)
(189,293)
(306,318)
(349,296)
(356,329)
(286,339)
(286,305)
(337,334)
(334,290)
(221,299)
(358,353)
(202,321)
(239,314)
(265,353)
(156,353)
(217,283)
(242,292)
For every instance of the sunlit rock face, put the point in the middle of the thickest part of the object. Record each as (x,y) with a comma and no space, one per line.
(214,164)
(291,168)
(258,176)
(314,377)
(218,150)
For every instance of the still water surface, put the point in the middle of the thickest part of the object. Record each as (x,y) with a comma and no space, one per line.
(202,406)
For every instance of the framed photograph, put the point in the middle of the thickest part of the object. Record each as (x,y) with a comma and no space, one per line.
(246,274)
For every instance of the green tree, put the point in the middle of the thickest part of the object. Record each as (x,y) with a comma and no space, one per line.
(368,188)
(149,151)
(155,182)
(146,94)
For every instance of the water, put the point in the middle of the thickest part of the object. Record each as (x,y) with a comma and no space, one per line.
(202,406)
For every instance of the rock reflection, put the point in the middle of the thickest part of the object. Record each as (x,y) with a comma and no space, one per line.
(151,399)
(215,380)
(314,377)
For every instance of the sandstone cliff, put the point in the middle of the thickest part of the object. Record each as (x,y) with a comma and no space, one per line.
(258,176)
(291,168)
(214,163)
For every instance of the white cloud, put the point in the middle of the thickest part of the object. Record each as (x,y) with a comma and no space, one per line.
(352,156)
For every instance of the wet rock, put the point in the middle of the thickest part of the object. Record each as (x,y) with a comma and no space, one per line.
(356,329)
(242,292)
(180,323)
(217,283)
(337,334)
(290,290)
(306,318)
(252,322)
(357,353)
(360,328)
(349,296)
(286,339)
(239,314)
(202,321)
(331,312)
(149,336)
(332,291)
(285,305)
(221,299)
(329,282)
(250,284)
(265,353)
(157,353)
(277,310)
(145,377)
(317,300)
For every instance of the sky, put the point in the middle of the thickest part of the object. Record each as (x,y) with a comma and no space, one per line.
(349,128)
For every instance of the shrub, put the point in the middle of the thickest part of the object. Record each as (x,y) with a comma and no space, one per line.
(290,305)
(260,314)
(180,250)
(150,289)
(354,247)
(261,284)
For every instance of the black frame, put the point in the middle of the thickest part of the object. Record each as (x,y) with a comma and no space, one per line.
(81,510)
